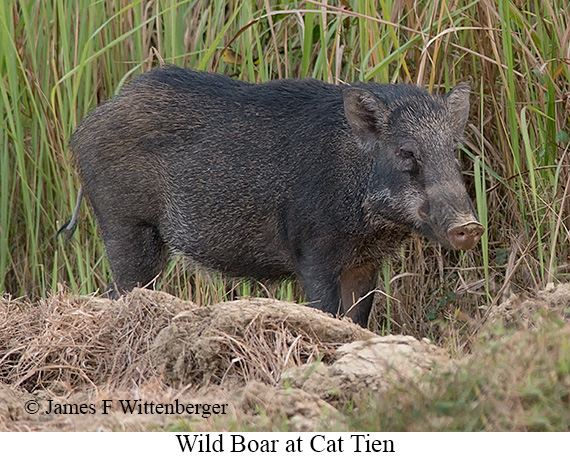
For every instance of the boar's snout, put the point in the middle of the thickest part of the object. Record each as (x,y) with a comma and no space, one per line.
(465,236)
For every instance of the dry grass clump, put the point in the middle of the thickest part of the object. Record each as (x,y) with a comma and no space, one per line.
(65,342)
(76,340)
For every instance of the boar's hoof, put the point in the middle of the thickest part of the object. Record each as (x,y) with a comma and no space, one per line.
(465,236)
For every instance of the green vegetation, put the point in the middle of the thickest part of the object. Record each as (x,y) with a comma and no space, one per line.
(485,392)
(59,59)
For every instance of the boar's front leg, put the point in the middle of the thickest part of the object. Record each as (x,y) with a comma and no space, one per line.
(341,294)
(322,288)
(356,283)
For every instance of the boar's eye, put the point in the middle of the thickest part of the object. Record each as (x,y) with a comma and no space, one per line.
(406,159)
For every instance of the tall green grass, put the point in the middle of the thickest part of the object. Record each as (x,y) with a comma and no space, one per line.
(59,59)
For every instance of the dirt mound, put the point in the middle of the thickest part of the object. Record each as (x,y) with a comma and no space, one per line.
(368,368)
(247,340)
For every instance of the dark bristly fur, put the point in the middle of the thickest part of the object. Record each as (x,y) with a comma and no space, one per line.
(290,177)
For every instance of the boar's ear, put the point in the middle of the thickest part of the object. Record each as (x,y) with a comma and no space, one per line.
(457,100)
(365,112)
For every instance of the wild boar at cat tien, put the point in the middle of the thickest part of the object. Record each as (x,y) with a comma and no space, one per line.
(285,178)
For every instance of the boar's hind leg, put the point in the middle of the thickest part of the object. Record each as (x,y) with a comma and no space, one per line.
(355,283)
(136,253)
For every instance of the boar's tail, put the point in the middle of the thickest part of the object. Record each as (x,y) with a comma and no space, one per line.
(71,225)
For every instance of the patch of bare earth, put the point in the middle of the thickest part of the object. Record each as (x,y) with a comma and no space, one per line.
(88,363)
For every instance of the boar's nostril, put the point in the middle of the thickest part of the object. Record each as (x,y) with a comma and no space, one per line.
(465,236)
